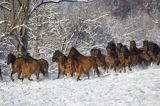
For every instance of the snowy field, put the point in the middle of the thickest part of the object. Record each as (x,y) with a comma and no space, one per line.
(141,87)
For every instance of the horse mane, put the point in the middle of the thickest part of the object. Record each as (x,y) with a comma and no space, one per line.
(74,53)
(12,57)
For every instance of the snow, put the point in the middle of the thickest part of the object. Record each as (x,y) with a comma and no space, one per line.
(141,87)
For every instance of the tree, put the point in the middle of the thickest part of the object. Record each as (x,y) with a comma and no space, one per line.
(16,15)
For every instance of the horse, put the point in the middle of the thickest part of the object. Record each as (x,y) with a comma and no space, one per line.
(145,55)
(100,58)
(153,50)
(111,59)
(124,57)
(118,47)
(63,63)
(25,66)
(1,74)
(83,63)
(133,48)
(44,65)
(112,46)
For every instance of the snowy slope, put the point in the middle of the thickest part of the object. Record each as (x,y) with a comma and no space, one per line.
(137,88)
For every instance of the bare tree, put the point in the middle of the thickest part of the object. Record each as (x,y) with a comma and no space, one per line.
(16,17)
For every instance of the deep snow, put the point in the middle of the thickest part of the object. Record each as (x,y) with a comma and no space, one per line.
(141,87)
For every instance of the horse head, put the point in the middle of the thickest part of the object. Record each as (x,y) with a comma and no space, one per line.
(11,58)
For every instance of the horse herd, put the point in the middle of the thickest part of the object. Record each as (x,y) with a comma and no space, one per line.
(118,57)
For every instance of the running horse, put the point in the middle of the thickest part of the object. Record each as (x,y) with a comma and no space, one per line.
(111,59)
(63,63)
(100,58)
(25,66)
(153,50)
(83,64)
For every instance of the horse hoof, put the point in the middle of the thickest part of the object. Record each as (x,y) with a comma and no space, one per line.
(78,80)
(31,79)
(12,80)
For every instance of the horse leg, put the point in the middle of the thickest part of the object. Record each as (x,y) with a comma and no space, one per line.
(37,75)
(129,67)
(12,75)
(64,73)
(124,68)
(105,68)
(22,77)
(78,76)
(97,71)
(29,77)
(59,73)
(114,68)
(120,67)
(88,74)
(158,62)
(19,75)
(72,74)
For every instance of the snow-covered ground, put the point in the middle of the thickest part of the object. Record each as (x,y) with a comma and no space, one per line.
(141,87)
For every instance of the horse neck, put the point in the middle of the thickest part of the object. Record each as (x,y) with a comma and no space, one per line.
(99,56)
(109,54)
(64,59)
(13,62)
(74,53)
(118,50)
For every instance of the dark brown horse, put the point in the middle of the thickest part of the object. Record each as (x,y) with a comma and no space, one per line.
(153,50)
(25,66)
(133,48)
(118,47)
(111,59)
(83,63)
(63,63)
(145,55)
(124,57)
(100,58)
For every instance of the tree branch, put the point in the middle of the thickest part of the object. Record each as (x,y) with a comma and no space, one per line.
(5,7)
(46,2)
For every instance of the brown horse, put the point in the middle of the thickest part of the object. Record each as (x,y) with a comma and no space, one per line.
(100,58)
(124,57)
(83,63)
(1,74)
(63,63)
(25,66)
(145,56)
(136,54)
(153,50)
(44,66)
(133,48)
(111,59)
(118,47)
